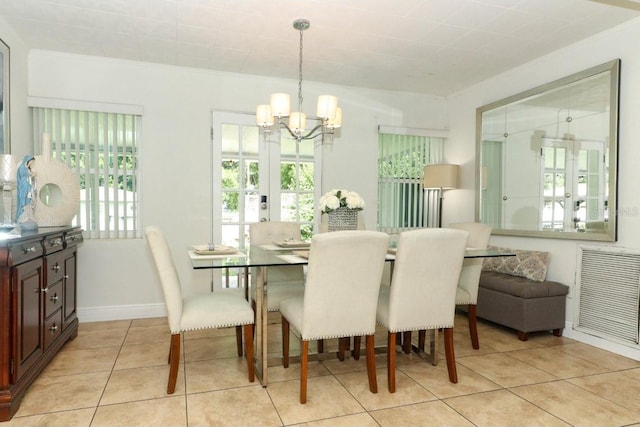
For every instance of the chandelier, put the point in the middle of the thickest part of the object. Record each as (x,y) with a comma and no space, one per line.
(279,111)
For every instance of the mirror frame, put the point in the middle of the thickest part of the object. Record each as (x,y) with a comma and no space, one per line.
(611,233)
(5,135)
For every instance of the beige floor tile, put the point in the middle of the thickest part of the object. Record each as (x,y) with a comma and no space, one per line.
(82,361)
(216,374)
(575,405)
(502,408)
(505,370)
(326,398)
(407,390)
(107,325)
(619,387)
(608,360)
(421,414)
(76,418)
(150,321)
(166,412)
(436,380)
(210,348)
(130,385)
(148,334)
(557,362)
(360,420)
(99,338)
(247,406)
(143,355)
(335,366)
(51,394)
(279,373)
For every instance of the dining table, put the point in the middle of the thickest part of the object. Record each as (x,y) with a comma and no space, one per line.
(260,258)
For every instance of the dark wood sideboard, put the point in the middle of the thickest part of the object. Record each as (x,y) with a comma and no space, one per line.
(37,306)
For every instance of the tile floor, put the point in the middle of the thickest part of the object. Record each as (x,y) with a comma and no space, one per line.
(115,374)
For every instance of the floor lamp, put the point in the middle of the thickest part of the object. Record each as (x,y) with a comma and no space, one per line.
(440,177)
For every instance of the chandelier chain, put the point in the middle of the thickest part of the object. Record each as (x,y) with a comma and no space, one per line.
(302,28)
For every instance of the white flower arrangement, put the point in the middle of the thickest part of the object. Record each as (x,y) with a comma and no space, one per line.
(335,199)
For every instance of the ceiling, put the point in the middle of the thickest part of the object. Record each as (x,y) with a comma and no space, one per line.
(436,47)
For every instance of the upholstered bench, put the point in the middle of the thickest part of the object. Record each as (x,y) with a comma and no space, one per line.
(513,292)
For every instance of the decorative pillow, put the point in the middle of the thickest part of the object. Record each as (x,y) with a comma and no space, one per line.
(531,265)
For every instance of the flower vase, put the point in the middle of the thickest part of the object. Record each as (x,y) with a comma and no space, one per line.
(343,218)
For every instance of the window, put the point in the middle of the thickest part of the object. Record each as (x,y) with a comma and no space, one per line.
(401,199)
(101,148)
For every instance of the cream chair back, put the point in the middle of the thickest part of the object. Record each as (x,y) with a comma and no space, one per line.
(425,276)
(343,281)
(168,275)
(479,235)
(265,233)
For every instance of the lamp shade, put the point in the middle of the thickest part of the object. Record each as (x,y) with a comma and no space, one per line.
(298,122)
(440,176)
(264,116)
(280,104)
(327,105)
(335,122)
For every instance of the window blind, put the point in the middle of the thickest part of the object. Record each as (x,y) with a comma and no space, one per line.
(102,149)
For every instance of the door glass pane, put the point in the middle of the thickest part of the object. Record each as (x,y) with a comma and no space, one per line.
(250,140)
(230,141)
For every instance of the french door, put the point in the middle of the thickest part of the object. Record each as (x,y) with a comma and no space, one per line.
(257,178)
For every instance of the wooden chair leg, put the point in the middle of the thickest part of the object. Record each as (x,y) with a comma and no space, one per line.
(421,339)
(450,355)
(248,343)
(473,326)
(320,346)
(371,363)
(304,369)
(356,347)
(391,361)
(342,348)
(523,336)
(174,363)
(285,342)
(406,342)
(239,340)
(557,332)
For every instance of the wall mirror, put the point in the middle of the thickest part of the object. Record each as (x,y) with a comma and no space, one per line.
(547,159)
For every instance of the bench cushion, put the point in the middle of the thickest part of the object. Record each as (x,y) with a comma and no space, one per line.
(520,286)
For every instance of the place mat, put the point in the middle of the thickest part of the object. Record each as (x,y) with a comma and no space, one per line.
(292,243)
(303,254)
(274,248)
(292,259)
(217,250)
(236,254)
(392,250)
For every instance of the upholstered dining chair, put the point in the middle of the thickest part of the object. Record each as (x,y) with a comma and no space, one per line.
(467,292)
(202,311)
(423,290)
(283,282)
(340,296)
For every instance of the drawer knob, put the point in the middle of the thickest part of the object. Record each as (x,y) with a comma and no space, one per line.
(30,249)
(55,267)
(53,328)
(54,298)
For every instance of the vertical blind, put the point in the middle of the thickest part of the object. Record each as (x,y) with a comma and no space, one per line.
(101,149)
(402,203)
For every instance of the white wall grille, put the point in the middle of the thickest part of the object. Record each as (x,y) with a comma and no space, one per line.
(608,286)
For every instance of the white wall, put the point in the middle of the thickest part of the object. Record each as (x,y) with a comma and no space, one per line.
(620,42)
(116,278)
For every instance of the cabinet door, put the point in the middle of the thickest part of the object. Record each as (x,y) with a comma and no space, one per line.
(69,308)
(27,283)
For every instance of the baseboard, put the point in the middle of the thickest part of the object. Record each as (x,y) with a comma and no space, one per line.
(630,351)
(120,312)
